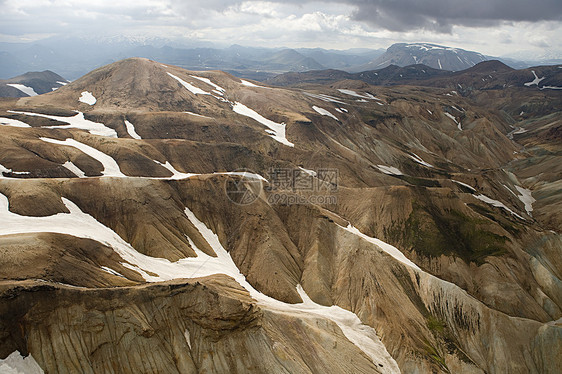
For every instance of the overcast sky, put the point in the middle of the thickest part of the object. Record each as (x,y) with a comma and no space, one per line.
(494,27)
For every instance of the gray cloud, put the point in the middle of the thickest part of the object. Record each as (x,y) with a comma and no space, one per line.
(442,15)
(485,25)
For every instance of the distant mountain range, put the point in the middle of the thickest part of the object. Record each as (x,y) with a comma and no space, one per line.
(485,75)
(73,57)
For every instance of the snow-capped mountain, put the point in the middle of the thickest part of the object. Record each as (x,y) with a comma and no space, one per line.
(432,55)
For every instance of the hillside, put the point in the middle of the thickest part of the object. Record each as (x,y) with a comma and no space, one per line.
(31,84)
(156,219)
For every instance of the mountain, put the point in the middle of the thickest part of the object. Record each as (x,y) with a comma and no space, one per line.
(156,219)
(485,75)
(433,55)
(73,57)
(390,75)
(342,60)
(31,84)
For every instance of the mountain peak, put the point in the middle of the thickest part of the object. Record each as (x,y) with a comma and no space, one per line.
(432,55)
(490,66)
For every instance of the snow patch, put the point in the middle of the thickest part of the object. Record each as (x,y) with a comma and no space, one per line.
(454,119)
(113,272)
(76,122)
(131,130)
(362,96)
(74,169)
(250,84)
(175,173)
(324,112)
(87,98)
(4,169)
(110,166)
(12,122)
(465,185)
(278,129)
(25,89)
(418,159)
(197,115)
(496,203)
(326,98)
(390,170)
(391,250)
(536,81)
(191,88)
(15,363)
(187,338)
(526,198)
(244,174)
(218,89)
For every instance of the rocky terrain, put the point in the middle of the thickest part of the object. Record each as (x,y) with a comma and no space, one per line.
(435,246)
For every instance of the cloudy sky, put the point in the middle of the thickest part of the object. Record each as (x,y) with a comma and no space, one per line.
(494,27)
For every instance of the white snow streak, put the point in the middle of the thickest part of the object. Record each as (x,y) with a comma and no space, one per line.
(131,130)
(390,170)
(87,98)
(197,115)
(353,93)
(419,160)
(76,122)
(391,250)
(219,89)
(244,174)
(194,90)
(536,81)
(526,198)
(277,129)
(4,169)
(25,89)
(464,184)
(324,112)
(176,174)
(495,203)
(12,122)
(250,84)
(110,166)
(326,98)
(454,119)
(74,169)
(111,271)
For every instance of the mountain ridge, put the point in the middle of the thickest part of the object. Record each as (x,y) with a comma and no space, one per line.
(429,255)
